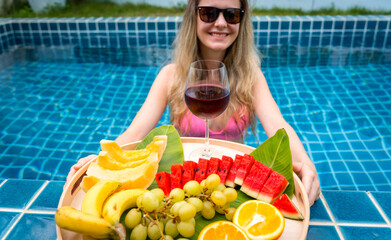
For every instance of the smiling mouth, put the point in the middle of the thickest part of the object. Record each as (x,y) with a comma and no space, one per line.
(219,34)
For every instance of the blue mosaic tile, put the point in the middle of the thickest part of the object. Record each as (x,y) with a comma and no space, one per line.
(318,212)
(7,219)
(349,206)
(20,191)
(383,199)
(321,233)
(367,233)
(49,197)
(34,226)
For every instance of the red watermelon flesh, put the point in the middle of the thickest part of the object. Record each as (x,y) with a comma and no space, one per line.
(287,208)
(163,182)
(256,179)
(189,168)
(243,169)
(232,173)
(274,186)
(224,167)
(202,168)
(176,176)
(213,166)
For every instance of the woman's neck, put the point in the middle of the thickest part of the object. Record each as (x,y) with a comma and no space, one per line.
(208,54)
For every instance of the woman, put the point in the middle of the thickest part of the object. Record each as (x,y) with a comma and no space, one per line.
(218,30)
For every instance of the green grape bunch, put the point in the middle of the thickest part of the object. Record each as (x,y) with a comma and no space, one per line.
(159,217)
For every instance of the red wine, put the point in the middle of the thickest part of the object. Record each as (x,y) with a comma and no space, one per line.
(207,101)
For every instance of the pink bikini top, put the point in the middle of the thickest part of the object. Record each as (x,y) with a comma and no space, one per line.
(233,130)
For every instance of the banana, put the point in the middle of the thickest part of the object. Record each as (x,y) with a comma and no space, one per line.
(74,220)
(109,163)
(95,197)
(117,203)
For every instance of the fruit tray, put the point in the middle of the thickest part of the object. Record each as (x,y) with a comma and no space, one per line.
(73,195)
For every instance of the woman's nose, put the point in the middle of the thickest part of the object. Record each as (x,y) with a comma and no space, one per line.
(220,21)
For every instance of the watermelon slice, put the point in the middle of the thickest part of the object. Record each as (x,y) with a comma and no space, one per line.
(249,181)
(256,178)
(232,172)
(176,176)
(213,166)
(243,169)
(163,182)
(274,186)
(189,168)
(287,208)
(202,168)
(224,168)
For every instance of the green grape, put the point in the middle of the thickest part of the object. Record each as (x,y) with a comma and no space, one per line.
(177,195)
(203,186)
(154,231)
(164,219)
(221,187)
(231,194)
(212,181)
(133,218)
(139,232)
(182,239)
(171,228)
(218,198)
(168,237)
(147,221)
(139,201)
(186,228)
(175,208)
(187,212)
(150,202)
(222,209)
(208,211)
(192,188)
(158,193)
(196,202)
(193,221)
(230,214)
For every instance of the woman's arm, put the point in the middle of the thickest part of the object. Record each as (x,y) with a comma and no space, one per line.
(271,119)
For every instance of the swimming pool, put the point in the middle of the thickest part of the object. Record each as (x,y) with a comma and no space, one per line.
(68,83)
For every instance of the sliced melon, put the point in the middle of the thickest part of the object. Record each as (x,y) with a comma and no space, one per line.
(287,208)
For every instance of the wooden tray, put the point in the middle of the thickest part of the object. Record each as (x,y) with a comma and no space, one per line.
(73,195)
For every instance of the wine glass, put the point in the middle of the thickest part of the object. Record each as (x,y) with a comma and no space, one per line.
(207,96)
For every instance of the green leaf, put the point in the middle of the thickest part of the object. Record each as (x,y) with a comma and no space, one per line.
(275,152)
(173,154)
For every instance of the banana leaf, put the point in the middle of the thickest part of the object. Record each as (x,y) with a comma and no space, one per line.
(173,154)
(275,152)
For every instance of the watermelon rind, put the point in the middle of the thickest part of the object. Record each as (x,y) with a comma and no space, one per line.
(274,187)
(287,208)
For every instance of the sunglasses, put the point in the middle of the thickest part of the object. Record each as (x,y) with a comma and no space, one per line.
(210,14)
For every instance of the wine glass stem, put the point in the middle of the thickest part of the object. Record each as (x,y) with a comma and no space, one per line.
(207,148)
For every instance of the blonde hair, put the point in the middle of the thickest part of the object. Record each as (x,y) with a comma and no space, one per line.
(241,60)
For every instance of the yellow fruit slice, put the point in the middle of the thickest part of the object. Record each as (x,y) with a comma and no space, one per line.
(222,230)
(141,176)
(259,220)
(106,162)
(115,152)
(88,182)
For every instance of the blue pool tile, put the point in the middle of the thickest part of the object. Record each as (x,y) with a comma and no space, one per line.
(367,233)
(350,206)
(318,212)
(383,199)
(6,221)
(20,191)
(49,197)
(322,233)
(34,226)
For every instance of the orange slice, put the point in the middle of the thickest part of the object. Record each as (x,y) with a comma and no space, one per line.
(259,220)
(222,230)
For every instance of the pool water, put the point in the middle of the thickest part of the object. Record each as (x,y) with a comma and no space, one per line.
(58,103)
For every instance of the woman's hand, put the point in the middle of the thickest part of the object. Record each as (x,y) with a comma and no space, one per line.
(309,178)
(77,166)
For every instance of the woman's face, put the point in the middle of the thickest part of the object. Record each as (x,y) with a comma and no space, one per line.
(217,36)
